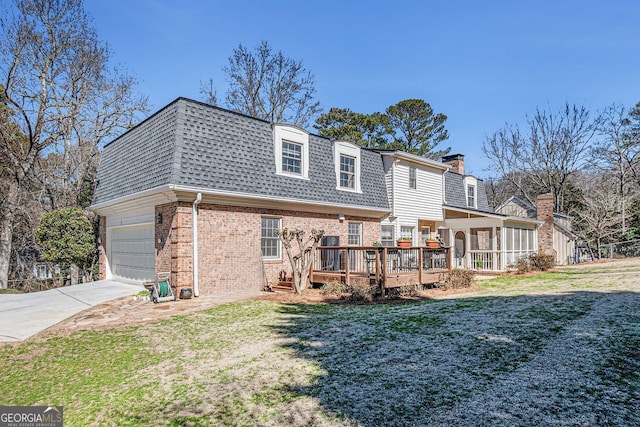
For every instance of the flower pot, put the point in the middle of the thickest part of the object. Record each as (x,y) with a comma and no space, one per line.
(433,244)
(404,243)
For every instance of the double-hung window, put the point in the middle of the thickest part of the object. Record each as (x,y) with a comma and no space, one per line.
(347,159)
(471,196)
(355,234)
(269,242)
(387,235)
(291,149)
(413,181)
(291,157)
(347,172)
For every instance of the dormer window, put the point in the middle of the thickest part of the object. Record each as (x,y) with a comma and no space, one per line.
(471,196)
(347,172)
(291,148)
(346,157)
(291,157)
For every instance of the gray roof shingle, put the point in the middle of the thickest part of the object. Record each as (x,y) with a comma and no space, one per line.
(455,195)
(194,144)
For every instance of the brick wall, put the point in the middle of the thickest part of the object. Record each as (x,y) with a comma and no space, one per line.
(545,231)
(164,236)
(229,251)
(229,244)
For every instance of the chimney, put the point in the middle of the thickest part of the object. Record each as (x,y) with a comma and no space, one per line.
(545,231)
(456,161)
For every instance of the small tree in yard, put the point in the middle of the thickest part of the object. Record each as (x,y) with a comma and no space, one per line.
(300,263)
(66,236)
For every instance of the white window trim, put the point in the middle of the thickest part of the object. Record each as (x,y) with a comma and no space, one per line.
(415,178)
(279,247)
(359,224)
(473,182)
(347,149)
(297,136)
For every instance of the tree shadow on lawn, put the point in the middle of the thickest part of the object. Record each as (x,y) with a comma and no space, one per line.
(570,359)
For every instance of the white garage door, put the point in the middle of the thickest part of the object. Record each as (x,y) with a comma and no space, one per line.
(133,252)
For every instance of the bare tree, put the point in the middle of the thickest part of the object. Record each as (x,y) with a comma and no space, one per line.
(208,92)
(543,158)
(60,93)
(617,153)
(300,262)
(270,86)
(599,218)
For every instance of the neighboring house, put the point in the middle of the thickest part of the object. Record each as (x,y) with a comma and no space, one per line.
(555,234)
(199,191)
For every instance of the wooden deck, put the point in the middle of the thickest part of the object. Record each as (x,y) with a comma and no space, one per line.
(388,267)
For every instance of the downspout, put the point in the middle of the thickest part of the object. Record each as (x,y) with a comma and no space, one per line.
(196,290)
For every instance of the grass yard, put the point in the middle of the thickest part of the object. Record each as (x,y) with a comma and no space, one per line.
(561,349)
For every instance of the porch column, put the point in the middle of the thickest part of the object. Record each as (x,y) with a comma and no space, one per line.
(494,249)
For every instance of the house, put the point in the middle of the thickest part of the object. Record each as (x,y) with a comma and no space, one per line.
(431,199)
(415,191)
(198,191)
(555,234)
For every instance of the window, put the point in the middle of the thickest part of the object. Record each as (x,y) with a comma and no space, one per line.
(481,239)
(291,149)
(346,157)
(355,234)
(471,196)
(412,178)
(444,236)
(425,234)
(269,242)
(386,235)
(406,232)
(291,157)
(347,172)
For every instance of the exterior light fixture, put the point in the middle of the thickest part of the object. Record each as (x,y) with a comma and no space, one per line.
(341,217)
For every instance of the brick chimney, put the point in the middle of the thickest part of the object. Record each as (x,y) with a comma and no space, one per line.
(545,231)
(456,161)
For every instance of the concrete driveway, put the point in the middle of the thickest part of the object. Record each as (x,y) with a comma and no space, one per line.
(24,315)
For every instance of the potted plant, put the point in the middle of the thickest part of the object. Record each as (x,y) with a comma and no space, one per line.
(432,243)
(376,243)
(404,242)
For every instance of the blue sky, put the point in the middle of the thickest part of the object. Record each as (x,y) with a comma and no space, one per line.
(482,63)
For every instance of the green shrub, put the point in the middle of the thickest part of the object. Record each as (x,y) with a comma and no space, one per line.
(457,279)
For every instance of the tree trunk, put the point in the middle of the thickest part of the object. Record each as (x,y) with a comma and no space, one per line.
(73,274)
(6,232)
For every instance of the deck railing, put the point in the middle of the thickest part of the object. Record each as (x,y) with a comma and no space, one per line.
(387,267)
(494,260)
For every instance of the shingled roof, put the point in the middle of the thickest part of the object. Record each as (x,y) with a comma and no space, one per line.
(455,193)
(196,145)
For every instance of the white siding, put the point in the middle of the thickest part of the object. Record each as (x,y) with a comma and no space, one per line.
(425,202)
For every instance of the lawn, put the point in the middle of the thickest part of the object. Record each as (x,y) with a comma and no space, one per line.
(562,348)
